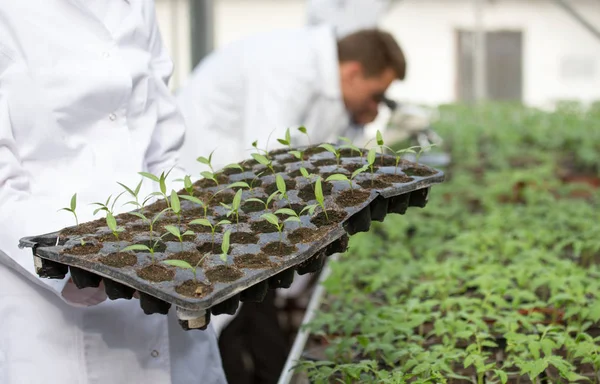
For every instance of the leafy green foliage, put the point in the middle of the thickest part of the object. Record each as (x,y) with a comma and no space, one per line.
(332,149)
(72,208)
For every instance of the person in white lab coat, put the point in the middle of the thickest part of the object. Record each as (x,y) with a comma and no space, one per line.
(259,86)
(84,103)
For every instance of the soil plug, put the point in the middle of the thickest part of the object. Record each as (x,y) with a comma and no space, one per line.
(72,207)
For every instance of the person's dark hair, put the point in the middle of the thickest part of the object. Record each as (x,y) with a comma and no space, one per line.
(375,50)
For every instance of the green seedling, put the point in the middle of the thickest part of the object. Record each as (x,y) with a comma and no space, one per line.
(234,166)
(308,176)
(111,222)
(234,208)
(151,225)
(175,231)
(287,141)
(273,219)
(176,205)
(381,144)
(305,132)
(208,161)
(401,152)
(282,189)
(185,265)
(254,180)
(143,247)
(162,182)
(134,193)
(331,148)
(298,154)
(213,228)
(421,151)
(263,160)
(320,197)
(72,207)
(269,199)
(371,162)
(225,245)
(187,185)
(351,146)
(258,150)
(342,177)
(105,207)
(82,242)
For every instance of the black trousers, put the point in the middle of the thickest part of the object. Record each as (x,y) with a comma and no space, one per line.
(255,333)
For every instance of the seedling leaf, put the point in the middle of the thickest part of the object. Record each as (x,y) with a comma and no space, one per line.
(178,264)
(337,177)
(286,211)
(173,230)
(271,218)
(136,247)
(260,158)
(175,204)
(239,184)
(280,184)
(203,222)
(150,176)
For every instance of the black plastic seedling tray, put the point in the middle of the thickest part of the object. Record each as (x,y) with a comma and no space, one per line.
(257,260)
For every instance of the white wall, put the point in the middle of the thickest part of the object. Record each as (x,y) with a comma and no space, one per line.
(426,31)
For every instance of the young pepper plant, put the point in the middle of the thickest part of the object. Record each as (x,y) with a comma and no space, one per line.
(175,231)
(142,247)
(269,199)
(320,197)
(342,177)
(162,182)
(273,219)
(213,228)
(225,245)
(234,208)
(185,265)
(350,146)
(371,163)
(72,208)
(134,192)
(331,148)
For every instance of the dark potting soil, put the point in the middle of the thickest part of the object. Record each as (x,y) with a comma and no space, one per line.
(155,208)
(354,166)
(417,171)
(87,249)
(267,171)
(304,235)
(376,183)
(390,178)
(320,220)
(243,238)
(230,171)
(324,162)
(288,159)
(298,173)
(278,151)
(219,198)
(195,213)
(191,257)
(209,247)
(82,229)
(314,149)
(119,260)
(349,152)
(252,261)
(123,236)
(125,218)
(276,248)
(240,218)
(206,183)
(307,193)
(387,161)
(223,274)
(352,197)
(252,182)
(156,273)
(289,185)
(263,226)
(193,288)
(254,206)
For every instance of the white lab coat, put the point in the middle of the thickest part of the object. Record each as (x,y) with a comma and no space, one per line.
(256,88)
(83,104)
(347,16)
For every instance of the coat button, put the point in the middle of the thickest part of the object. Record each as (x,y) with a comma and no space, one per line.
(154,353)
(112,117)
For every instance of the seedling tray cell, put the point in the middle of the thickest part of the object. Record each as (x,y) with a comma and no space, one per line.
(259,257)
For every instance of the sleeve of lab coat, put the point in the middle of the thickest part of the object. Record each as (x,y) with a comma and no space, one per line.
(167,138)
(21,214)
(275,102)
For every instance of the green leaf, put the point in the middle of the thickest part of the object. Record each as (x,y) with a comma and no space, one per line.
(127,189)
(179,264)
(286,211)
(469,360)
(163,184)
(159,214)
(359,171)
(304,172)
(371,156)
(379,138)
(337,177)
(271,197)
(234,165)
(420,368)
(261,159)
(281,141)
(74,202)
(223,222)
(188,233)
(503,376)
(173,230)
(136,247)
(303,130)
(255,143)
(319,191)
(207,175)
(239,184)
(293,218)
(149,176)
(203,160)
(280,184)
(296,154)
(547,346)
(345,139)
(111,222)
(271,218)
(203,222)
(310,208)
(237,199)
(193,199)
(255,200)
(534,349)
(138,187)
(175,204)
(329,148)
(140,215)
(225,244)
(187,182)
(211,155)
(288,137)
